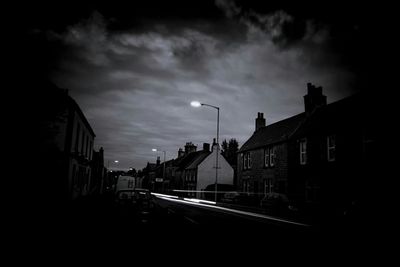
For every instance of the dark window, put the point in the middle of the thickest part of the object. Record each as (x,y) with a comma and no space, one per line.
(83,142)
(266,157)
(87,146)
(331,147)
(303,151)
(249,160)
(78,133)
(272,156)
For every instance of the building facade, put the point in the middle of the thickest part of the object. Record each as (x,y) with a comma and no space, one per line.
(317,158)
(65,144)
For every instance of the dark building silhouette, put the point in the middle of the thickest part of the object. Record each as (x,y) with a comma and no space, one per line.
(321,158)
(99,182)
(61,144)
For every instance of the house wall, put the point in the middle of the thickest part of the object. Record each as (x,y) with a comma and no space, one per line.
(258,173)
(80,156)
(206,172)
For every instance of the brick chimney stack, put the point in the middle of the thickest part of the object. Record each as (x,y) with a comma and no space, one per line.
(260,120)
(206,146)
(314,98)
(189,148)
(181,153)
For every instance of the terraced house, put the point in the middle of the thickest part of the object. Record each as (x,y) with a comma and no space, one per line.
(320,157)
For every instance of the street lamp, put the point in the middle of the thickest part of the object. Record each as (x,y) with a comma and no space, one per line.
(197,104)
(155,150)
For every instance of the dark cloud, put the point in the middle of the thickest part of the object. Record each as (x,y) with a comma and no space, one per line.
(134,76)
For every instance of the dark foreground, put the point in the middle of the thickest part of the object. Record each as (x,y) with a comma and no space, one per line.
(171,228)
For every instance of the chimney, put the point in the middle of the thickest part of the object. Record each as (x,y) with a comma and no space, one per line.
(260,120)
(206,146)
(158,161)
(181,153)
(215,145)
(314,98)
(189,148)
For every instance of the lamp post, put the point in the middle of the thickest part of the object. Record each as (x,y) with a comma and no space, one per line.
(197,104)
(155,150)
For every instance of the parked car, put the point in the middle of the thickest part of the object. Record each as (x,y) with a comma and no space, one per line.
(142,197)
(240,198)
(231,197)
(277,204)
(124,196)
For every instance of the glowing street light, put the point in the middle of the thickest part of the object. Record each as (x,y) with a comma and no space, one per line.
(197,104)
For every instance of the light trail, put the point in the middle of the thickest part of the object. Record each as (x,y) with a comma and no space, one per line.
(197,202)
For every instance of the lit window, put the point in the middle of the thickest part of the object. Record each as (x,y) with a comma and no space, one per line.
(331,143)
(303,151)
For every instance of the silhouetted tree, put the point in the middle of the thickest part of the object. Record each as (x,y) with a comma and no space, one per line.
(229,150)
(132,172)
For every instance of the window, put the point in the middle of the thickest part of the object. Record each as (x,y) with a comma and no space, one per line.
(87,146)
(130,183)
(247,161)
(268,186)
(266,157)
(246,186)
(83,142)
(272,156)
(331,143)
(303,151)
(269,156)
(90,150)
(78,130)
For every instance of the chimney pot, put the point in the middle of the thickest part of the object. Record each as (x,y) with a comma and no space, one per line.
(206,146)
(314,98)
(260,120)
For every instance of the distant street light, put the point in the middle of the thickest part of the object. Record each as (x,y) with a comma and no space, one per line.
(197,104)
(108,163)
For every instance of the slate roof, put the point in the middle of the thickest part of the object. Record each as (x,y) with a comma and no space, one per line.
(273,133)
(186,160)
(345,111)
(198,159)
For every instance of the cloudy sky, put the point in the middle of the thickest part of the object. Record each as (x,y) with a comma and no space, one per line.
(134,69)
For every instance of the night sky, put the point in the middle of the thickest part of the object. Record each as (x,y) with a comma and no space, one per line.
(134,69)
